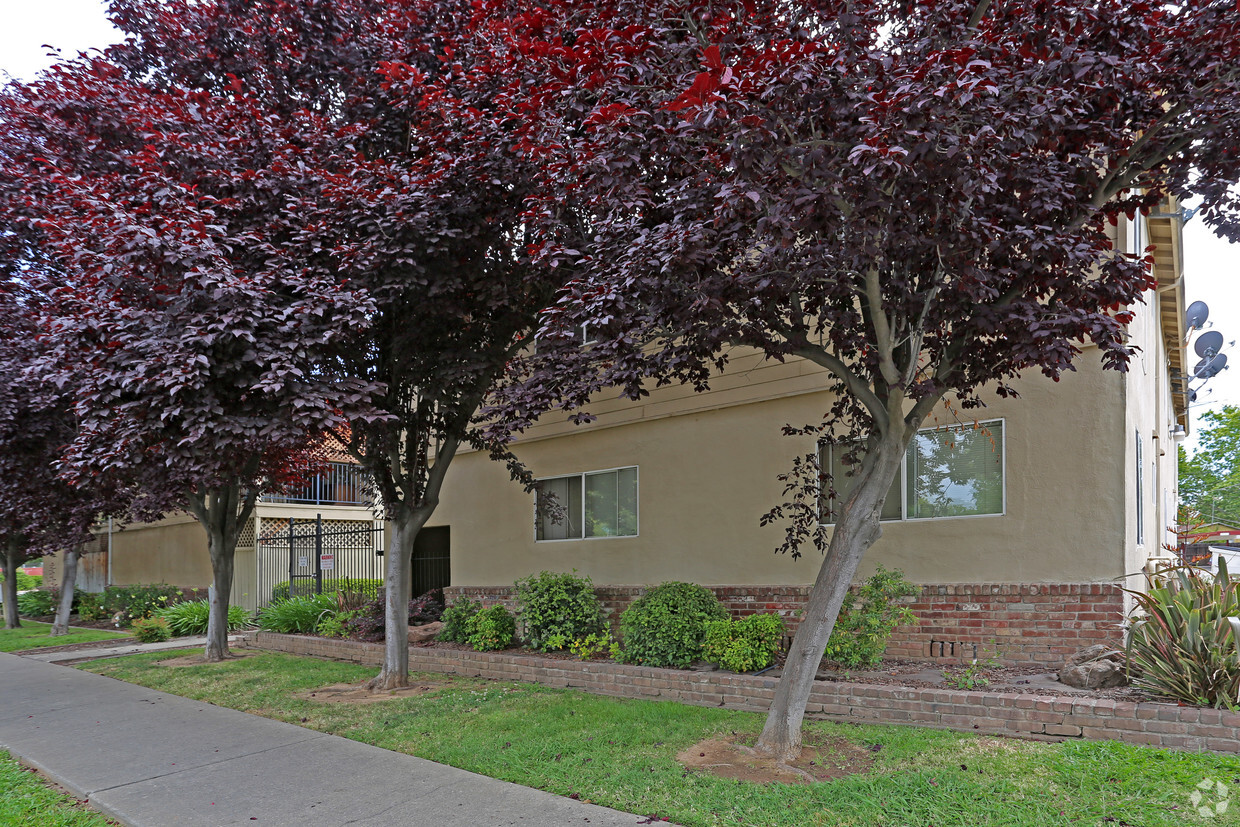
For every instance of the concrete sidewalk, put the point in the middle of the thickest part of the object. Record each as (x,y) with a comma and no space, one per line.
(149,759)
(128,648)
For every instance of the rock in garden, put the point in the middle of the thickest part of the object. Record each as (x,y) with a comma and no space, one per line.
(1096,667)
(425,632)
(1099,651)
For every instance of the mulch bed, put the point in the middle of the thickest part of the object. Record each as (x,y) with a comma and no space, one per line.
(823,758)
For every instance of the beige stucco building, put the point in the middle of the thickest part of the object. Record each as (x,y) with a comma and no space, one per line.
(1077,489)
(1066,493)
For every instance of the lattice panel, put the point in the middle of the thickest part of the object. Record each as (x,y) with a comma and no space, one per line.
(246,538)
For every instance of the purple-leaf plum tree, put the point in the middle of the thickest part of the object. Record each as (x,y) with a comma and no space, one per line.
(40,512)
(915,197)
(152,199)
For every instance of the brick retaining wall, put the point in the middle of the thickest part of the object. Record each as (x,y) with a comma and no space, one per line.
(993,713)
(1020,624)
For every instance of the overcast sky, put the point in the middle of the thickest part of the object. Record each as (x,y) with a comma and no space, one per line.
(1211,266)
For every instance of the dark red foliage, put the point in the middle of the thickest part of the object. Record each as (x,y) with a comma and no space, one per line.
(39,512)
(368,623)
(917,198)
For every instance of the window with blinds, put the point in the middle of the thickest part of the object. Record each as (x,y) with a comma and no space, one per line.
(956,471)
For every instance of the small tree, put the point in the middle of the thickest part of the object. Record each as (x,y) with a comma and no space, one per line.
(914,197)
(151,199)
(39,512)
(1210,478)
(261,249)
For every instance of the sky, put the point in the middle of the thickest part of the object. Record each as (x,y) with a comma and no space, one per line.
(1211,266)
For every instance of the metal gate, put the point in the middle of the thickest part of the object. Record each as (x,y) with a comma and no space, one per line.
(312,557)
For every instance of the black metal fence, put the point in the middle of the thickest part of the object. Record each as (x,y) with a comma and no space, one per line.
(310,556)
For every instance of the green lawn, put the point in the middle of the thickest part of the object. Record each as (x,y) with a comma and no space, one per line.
(27,800)
(33,635)
(621,753)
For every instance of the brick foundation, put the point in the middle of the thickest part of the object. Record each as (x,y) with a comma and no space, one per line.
(1019,624)
(992,713)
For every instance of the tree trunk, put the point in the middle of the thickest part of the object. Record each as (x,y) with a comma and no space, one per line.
(68,587)
(218,595)
(221,512)
(856,530)
(406,523)
(11,558)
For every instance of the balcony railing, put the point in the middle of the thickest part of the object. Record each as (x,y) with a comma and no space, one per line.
(340,484)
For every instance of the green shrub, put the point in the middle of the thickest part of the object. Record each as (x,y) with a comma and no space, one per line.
(151,629)
(667,625)
(297,615)
(868,617)
(456,619)
(1184,646)
(598,645)
(90,607)
(491,629)
(337,625)
(133,602)
(744,645)
(25,582)
(36,604)
(190,617)
(554,604)
(366,588)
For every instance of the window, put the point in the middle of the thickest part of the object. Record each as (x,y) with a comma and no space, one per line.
(1140,500)
(947,472)
(833,459)
(594,504)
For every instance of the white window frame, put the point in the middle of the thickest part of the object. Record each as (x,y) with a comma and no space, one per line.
(903,477)
(1140,492)
(637,516)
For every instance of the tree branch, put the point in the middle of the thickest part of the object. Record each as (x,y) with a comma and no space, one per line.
(979,11)
(855,384)
(883,339)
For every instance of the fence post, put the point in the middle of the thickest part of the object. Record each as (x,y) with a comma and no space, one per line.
(292,558)
(318,554)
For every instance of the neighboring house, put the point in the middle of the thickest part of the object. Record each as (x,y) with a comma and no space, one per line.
(174,550)
(1060,498)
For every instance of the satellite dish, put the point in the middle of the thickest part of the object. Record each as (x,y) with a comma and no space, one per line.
(1208,344)
(1196,315)
(1209,368)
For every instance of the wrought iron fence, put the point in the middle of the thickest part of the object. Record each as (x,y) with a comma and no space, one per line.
(340,484)
(313,556)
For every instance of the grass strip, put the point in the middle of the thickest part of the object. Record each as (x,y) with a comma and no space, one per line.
(34,635)
(28,800)
(622,753)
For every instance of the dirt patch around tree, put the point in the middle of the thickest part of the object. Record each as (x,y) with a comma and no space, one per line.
(357,693)
(823,758)
(196,659)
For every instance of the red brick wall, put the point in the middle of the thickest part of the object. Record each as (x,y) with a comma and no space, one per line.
(1052,718)
(1019,624)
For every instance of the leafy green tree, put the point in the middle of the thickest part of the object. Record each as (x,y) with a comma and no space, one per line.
(1210,478)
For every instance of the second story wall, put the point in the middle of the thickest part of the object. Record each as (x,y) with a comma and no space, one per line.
(707,468)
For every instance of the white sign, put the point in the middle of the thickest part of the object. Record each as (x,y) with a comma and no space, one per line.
(303,561)
(327,562)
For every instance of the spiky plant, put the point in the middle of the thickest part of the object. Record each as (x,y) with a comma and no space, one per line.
(1183,645)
